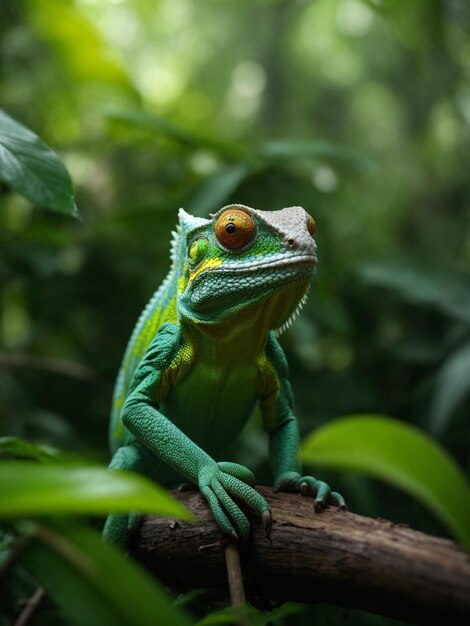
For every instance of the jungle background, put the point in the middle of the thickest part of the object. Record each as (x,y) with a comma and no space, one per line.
(357,110)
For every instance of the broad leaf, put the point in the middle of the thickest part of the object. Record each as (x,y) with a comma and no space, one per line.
(95,584)
(14,447)
(446,292)
(30,167)
(215,191)
(28,488)
(452,386)
(159,125)
(80,46)
(282,150)
(250,615)
(401,455)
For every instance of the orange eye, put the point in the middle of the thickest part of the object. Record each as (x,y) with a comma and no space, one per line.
(311,225)
(234,229)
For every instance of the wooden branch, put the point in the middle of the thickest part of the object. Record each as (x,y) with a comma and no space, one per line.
(333,556)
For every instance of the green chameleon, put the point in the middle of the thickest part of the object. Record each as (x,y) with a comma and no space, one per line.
(204,353)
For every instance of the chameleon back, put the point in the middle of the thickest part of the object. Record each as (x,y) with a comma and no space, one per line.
(161,308)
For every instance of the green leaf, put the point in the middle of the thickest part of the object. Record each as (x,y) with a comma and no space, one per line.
(252,616)
(452,386)
(444,291)
(281,150)
(14,447)
(279,613)
(401,455)
(79,43)
(28,488)
(157,124)
(32,169)
(213,193)
(93,583)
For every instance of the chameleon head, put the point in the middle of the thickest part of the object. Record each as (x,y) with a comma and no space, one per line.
(243,257)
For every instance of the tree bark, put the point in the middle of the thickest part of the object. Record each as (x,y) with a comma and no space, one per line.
(334,556)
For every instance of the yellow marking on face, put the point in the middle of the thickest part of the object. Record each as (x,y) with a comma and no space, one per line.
(209,264)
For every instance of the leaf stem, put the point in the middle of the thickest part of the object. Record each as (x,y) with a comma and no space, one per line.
(30,607)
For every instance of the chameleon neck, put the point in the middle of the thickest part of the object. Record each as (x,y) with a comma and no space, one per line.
(241,337)
(234,341)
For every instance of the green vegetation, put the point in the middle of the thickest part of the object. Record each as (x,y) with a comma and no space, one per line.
(358,110)
(401,455)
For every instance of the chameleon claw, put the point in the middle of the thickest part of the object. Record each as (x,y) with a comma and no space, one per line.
(304,489)
(234,536)
(318,506)
(267,519)
(338,500)
(342,506)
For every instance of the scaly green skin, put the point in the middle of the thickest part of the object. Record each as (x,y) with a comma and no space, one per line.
(203,354)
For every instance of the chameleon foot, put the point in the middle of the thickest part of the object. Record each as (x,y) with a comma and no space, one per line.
(221,484)
(309,486)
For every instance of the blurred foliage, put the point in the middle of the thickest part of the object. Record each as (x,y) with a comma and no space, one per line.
(401,455)
(358,110)
(30,167)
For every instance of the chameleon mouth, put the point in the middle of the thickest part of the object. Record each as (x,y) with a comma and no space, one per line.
(277,272)
(204,299)
(277,261)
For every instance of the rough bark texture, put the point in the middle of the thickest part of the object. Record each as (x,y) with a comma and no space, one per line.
(333,556)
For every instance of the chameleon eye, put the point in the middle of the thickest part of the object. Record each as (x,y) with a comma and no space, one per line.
(234,229)
(197,251)
(311,225)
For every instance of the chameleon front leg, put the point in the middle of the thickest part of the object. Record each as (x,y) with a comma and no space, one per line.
(219,482)
(284,439)
(283,447)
